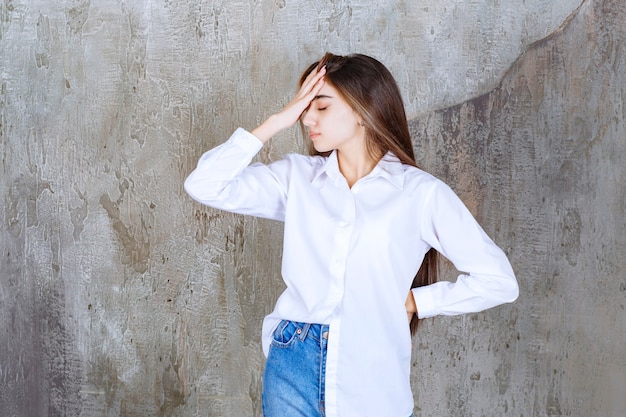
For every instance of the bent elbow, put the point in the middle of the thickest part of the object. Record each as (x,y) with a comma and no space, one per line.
(200,189)
(189,186)
(511,289)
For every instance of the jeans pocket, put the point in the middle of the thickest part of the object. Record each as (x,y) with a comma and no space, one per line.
(286,334)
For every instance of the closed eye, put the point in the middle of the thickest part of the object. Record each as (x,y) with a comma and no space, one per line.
(322,108)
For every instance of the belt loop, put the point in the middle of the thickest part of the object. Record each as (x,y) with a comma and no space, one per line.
(325,329)
(305,330)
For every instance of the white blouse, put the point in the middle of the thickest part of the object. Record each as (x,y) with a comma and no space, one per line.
(350,255)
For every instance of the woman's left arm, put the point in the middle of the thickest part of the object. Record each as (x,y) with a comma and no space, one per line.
(487,279)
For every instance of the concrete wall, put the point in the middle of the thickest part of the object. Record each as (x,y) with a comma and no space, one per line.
(541,160)
(119,296)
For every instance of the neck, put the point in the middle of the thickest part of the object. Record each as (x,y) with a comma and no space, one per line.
(355,165)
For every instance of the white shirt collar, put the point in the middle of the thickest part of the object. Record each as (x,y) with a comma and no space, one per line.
(389,167)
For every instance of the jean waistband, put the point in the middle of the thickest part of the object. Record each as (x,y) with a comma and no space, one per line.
(314,330)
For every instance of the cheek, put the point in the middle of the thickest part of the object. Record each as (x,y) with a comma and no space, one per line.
(347,127)
(345,121)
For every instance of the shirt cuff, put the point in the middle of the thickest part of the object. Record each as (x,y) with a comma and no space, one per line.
(246,141)
(424,302)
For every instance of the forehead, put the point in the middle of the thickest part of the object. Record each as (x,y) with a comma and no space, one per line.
(328,92)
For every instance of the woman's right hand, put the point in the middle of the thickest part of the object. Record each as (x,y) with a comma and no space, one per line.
(290,114)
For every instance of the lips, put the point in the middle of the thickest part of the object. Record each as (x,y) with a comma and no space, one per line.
(313,135)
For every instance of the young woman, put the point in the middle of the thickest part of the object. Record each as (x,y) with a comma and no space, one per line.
(359,219)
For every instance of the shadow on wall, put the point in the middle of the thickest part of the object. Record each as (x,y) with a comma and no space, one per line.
(160,325)
(540,161)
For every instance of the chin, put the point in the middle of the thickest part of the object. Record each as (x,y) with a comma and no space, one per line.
(321,149)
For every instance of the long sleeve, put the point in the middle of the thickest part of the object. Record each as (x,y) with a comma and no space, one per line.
(349,255)
(225,179)
(487,279)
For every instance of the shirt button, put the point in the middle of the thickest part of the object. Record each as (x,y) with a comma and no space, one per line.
(325,335)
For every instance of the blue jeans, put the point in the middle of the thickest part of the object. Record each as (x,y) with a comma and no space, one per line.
(295,371)
(293,383)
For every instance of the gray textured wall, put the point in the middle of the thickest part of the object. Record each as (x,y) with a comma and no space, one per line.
(121,297)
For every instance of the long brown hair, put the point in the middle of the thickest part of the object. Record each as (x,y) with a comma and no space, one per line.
(370,89)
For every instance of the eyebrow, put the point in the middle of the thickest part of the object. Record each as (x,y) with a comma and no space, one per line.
(321,96)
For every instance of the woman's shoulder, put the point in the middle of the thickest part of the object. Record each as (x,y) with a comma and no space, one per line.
(299,164)
(428,186)
(417,177)
(305,162)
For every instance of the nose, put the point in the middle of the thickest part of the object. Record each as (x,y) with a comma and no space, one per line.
(309,118)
